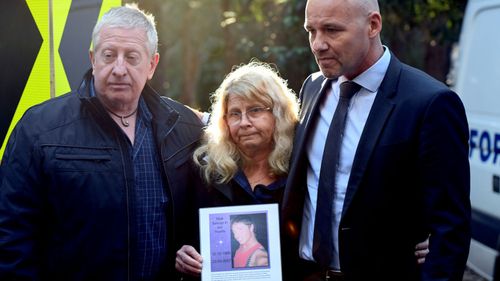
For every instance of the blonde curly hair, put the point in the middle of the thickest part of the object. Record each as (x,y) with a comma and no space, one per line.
(218,156)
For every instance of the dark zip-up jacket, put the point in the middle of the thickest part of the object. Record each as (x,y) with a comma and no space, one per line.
(67,208)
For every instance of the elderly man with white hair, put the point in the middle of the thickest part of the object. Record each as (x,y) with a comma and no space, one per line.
(95,182)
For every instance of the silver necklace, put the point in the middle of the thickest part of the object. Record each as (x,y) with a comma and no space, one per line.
(125,123)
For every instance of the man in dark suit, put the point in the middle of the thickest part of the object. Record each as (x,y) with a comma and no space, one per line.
(402,169)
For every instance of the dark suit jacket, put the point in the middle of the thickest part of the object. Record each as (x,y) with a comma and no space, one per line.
(410,177)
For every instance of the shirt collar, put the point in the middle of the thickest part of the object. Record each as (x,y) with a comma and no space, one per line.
(242,181)
(144,111)
(371,78)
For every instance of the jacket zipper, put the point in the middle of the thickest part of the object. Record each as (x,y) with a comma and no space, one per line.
(127,195)
(127,199)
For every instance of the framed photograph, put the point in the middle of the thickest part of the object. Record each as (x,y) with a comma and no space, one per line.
(240,243)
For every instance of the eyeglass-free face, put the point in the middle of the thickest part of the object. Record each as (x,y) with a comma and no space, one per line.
(251,125)
(121,65)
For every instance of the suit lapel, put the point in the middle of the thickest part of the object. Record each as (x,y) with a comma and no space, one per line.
(313,89)
(377,119)
(310,103)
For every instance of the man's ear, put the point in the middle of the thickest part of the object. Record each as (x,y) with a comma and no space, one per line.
(153,64)
(92,60)
(375,24)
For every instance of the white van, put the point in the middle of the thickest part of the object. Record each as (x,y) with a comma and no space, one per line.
(478,84)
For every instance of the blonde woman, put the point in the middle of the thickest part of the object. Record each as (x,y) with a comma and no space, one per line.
(247,144)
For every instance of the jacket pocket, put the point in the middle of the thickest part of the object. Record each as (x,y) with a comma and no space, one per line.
(83,157)
(80,159)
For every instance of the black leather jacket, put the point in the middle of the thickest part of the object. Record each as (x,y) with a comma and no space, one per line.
(66,195)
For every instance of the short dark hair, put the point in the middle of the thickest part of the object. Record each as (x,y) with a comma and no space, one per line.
(244,219)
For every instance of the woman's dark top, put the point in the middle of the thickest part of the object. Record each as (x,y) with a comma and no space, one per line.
(239,192)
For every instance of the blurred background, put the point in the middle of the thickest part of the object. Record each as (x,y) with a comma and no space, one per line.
(44,53)
(201,40)
(44,44)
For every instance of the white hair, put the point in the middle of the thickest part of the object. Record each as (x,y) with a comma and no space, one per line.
(128,16)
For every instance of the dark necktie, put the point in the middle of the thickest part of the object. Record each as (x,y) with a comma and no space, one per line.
(323,226)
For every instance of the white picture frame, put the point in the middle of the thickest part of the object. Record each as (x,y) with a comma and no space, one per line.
(225,259)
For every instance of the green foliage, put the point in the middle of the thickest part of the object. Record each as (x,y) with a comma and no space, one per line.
(421,32)
(201,40)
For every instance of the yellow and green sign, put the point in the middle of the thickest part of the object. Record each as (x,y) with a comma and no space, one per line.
(46,45)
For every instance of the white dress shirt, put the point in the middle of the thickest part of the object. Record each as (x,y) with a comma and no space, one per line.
(357,115)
